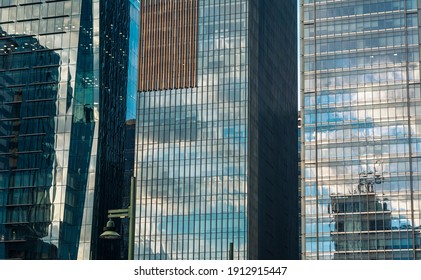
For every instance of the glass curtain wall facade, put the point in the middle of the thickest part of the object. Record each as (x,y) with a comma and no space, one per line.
(48,127)
(114,19)
(130,125)
(361,129)
(193,141)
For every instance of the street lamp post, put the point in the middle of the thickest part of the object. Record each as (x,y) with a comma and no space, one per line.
(130,213)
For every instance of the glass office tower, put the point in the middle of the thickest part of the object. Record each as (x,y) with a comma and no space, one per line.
(361,129)
(48,127)
(217,130)
(63,91)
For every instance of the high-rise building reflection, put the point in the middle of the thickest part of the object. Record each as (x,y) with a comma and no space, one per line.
(27,146)
(360,95)
(48,117)
(60,61)
(363,226)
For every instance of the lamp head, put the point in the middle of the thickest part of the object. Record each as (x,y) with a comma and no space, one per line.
(109,231)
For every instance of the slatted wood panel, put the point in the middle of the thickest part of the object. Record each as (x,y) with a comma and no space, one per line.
(168,44)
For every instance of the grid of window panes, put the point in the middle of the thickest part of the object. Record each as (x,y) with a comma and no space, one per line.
(192,149)
(361,129)
(48,84)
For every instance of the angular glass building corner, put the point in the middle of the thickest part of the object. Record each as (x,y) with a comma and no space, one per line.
(49,127)
(64,90)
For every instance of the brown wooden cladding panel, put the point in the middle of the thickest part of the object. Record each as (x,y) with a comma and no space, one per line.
(168,44)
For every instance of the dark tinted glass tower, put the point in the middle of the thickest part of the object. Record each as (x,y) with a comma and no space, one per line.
(361,133)
(217,130)
(114,18)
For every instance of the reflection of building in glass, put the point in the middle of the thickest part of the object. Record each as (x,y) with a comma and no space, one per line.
(49,125)
(216,133)
(360,96)
(363,228)
(26,146)
(48,118)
